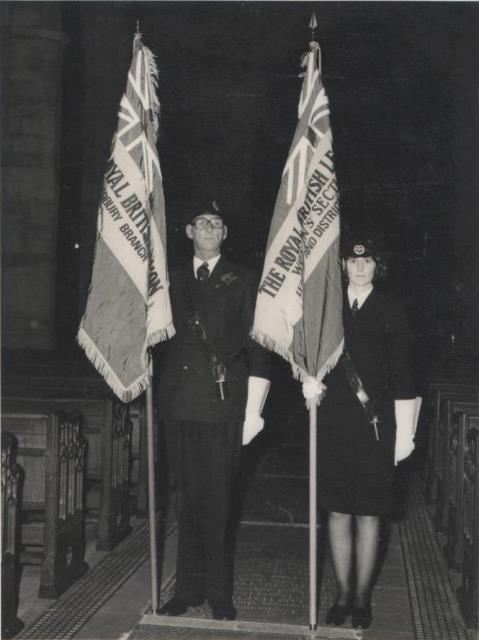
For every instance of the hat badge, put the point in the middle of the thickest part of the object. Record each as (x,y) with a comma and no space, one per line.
(359,249)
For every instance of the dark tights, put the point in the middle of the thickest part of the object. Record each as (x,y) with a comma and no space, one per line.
(360,545)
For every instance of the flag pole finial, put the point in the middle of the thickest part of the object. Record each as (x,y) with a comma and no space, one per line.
(137,38)
(313,42)
(313,25)
(138,34)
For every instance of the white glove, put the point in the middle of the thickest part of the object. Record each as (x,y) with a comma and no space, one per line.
(312,388)
(257,392)
(407,414)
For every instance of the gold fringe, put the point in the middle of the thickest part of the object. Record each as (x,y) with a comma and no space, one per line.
(268,343)
(104,369)
(298,373)
(160,335)
(331,362)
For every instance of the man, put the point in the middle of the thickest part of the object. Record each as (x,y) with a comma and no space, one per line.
(213,381)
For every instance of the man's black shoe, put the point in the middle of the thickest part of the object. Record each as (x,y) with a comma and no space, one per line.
(223,610)
(178,606)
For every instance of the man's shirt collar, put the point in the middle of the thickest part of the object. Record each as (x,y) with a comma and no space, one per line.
(212,262)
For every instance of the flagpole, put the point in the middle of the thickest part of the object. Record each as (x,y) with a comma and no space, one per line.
(313,423)
(110,349)
(152,500)
(313,514)
(318,339)
(150,443)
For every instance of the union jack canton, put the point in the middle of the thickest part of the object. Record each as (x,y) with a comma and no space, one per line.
(128,307)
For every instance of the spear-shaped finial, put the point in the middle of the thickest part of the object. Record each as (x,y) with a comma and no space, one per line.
(314,44)
(137,38)
(313,25)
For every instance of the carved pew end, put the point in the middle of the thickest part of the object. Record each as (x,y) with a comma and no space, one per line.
(52,452)
(11,487)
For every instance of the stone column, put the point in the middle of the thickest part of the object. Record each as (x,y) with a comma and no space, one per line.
(465,132)
(32,43)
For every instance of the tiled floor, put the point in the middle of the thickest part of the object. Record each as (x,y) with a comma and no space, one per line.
(392,617)
(276,509)
(122,612)
(30,605)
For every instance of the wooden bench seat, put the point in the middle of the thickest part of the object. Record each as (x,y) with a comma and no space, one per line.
(442,395)
(468,593)
(45,382)
(11,486)
(446,464)
(465,417)
(108,431)
(52,454)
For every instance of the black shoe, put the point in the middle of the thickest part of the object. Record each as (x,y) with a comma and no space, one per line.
(337,614)
(178,606)
(223,610)
(361,617)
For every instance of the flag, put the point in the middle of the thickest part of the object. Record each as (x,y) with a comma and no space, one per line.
(299,304)
(128,307)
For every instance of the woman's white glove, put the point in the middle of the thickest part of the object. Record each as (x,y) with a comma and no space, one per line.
(312,388)
(407,414)
(257,392)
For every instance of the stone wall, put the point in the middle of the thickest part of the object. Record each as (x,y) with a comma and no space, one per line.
(402,83)
(31,123)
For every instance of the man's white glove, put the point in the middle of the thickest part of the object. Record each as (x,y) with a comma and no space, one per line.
(312,388)
(407,414)
(257,392)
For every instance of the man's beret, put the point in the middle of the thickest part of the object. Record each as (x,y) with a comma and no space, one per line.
(203,208)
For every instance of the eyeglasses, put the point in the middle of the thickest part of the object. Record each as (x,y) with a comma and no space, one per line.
(206,223)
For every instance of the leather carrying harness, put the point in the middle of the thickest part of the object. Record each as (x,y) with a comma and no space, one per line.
(218,369)
(356,385)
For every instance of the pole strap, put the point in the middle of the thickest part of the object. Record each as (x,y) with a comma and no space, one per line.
(357,386)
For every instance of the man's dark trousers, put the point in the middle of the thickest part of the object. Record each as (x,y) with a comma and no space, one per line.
(204,458)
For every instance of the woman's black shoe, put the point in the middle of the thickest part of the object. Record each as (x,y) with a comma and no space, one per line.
(337,614)
(361,617)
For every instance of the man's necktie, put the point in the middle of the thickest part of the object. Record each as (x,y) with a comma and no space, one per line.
(354,307)
(203,273)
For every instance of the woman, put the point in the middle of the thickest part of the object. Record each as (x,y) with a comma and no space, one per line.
(356,438)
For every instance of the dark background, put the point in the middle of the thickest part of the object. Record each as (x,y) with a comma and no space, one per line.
(402,84)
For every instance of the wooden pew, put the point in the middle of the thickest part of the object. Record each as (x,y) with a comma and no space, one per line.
(11,479)
(468,593)
(114,521)
(441,395)
(139,458)
(465,417)
(447,455)
(52,452)
(49,385)
(108,431)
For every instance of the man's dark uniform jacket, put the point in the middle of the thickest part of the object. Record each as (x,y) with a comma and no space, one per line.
(225,305)
(203,432)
